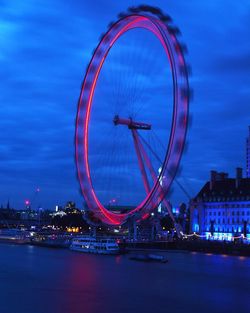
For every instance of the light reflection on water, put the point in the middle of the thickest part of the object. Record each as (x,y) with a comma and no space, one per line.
(34,279)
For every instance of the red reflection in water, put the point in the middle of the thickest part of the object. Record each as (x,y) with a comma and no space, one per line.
(118,259)
(82,269)
(82,283)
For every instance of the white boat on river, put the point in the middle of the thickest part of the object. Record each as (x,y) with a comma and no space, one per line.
(95,245)
(14,235)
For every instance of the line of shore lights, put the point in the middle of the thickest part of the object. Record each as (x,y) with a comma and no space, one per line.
(203,236)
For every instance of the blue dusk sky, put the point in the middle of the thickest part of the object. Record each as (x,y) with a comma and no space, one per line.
(45,47)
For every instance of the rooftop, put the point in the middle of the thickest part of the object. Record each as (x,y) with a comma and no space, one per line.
(224,188)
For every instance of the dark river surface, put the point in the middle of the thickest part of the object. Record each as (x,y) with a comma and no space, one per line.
(43,280)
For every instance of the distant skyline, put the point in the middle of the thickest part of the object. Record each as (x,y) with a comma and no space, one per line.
(45,47)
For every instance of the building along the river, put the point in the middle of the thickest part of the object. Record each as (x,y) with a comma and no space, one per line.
(248,154)
(221,209)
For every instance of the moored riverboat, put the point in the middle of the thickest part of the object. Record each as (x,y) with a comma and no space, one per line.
(14,235)
(95,245)
(51,241)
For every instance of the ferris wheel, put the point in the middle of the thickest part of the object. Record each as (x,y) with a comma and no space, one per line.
(130,132)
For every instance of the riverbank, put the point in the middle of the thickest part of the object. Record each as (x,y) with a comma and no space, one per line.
(215,247)
(204,246)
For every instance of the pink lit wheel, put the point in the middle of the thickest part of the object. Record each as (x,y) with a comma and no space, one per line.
(154,21)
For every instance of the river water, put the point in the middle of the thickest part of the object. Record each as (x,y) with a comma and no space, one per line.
(43,280)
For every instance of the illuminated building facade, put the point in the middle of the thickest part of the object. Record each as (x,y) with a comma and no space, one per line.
(221,209)
(248,154)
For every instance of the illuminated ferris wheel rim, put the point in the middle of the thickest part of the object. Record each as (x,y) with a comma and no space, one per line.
(167,37)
